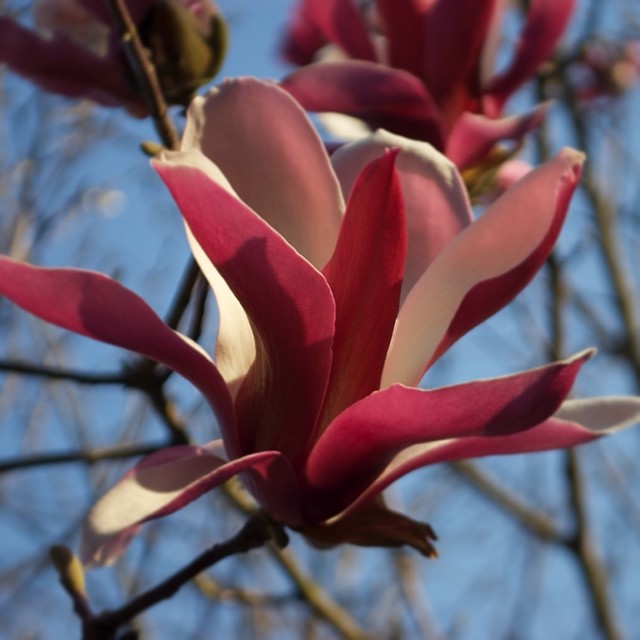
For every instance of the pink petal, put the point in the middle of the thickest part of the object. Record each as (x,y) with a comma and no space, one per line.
(404,29)
(384,98)
(474,136)
(97,307)
(365,438)
(303,38)
(160,484)
(61,66)
(508,174)
(235,350)
(545,24)
(483,268)
(365,275)
(339,22)
(455,32)
(435,198)
(288,302)
(274,160)
(576,422)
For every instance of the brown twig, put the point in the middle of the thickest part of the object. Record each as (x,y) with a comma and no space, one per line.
(582,546)
(90,456)
(25,368)
(144,72)
(321,603)
(256,532)
(536,522)
(182,296)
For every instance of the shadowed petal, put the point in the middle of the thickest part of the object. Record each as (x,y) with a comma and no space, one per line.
(435,199)
(338,21)
(483,268)
(545,23)
(160,484)
(576,422)
(404,25)
(365,275)
(268,150)
(288,302)
(373,525)
(235,350)
(61,66)
(96,306)
(384,98)
(455,32)
(303,38)
(365,438)
(137,9)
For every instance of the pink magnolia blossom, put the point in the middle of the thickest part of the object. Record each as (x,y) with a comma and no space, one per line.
(76,52)
(329,316)
(421,68)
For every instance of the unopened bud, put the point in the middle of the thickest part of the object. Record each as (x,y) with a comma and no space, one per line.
(186,49)
(69,570)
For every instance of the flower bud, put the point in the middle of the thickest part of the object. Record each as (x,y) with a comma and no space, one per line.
(187,42)
(69,570)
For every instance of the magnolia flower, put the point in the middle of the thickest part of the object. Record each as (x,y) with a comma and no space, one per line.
(420,69)
(329,316)
(76,52)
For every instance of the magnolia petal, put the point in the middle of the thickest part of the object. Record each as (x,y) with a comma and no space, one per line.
(545,23)
(61,66)
(455,33)
(435,199)
(474,136)
(288,302)
(70,18)
(384,98)
(274,160)
(365,275)
(303,38)
(576,422)
(160,484)
(137,9)
(235,349)
(373,525)
(340,23)
(358,445)
(96,306)
(404,29)
(483,268)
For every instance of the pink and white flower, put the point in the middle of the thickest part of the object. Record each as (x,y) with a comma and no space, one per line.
(330,313)
(421,69)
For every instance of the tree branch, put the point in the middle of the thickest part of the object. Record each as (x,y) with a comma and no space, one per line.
(90,456)
(258,530)
(144,72)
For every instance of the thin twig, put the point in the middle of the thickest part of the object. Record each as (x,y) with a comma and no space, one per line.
(582,546)
(144,72)
(252,598)
(536,522)
(256,532)
(81,377)
(183,294)
(90,456)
